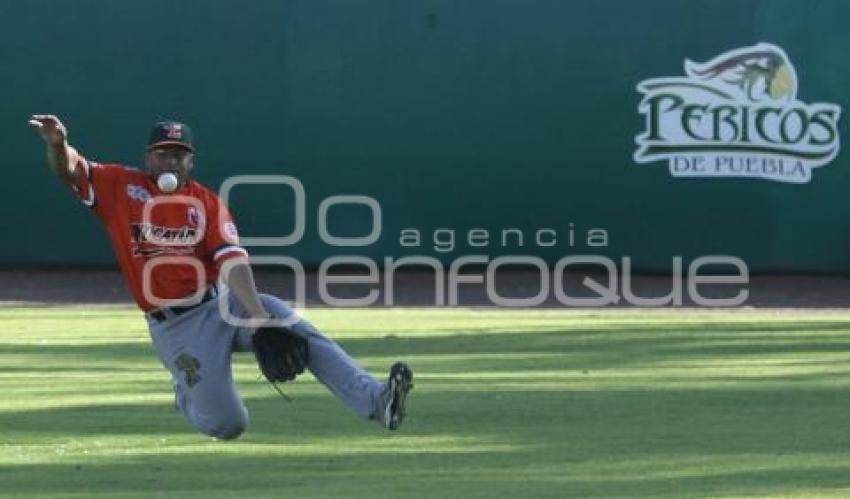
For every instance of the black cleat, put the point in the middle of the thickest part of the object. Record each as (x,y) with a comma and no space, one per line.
(398,386)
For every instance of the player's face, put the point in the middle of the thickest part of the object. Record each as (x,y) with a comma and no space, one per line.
(177,160)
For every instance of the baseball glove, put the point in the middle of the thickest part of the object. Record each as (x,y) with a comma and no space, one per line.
(281,354)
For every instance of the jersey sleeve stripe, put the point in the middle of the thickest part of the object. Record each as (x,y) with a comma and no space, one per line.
(92,200)
(226,250)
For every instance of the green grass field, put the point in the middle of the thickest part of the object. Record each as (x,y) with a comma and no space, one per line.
(507,404)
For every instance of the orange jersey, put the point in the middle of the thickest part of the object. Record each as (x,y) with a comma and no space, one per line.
(168,245)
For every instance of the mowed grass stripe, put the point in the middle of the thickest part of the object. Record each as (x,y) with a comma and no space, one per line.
(507,403)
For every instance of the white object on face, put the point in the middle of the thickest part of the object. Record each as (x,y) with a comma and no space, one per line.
(167,182)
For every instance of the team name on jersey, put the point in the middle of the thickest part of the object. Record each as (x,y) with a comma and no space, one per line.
(155,234)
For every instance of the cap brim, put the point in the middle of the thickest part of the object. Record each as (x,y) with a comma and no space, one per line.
(171,143)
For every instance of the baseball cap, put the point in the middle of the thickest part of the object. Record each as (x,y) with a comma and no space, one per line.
(170,133)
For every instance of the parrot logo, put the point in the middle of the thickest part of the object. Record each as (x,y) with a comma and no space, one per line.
(193,216)
(759,72)
(736,115)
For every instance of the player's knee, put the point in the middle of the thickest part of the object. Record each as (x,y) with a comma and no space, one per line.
(227,426)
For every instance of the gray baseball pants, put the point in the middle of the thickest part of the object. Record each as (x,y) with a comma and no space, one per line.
(196,348)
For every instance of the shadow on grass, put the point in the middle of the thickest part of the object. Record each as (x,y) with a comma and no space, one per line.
(817,349)
(668,339)
(481,444)
(368,476)
(466,437)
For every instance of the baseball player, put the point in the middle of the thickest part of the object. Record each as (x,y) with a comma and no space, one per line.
(175,241)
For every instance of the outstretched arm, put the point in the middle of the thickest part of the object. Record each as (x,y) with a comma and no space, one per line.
(61,157)
(240,279)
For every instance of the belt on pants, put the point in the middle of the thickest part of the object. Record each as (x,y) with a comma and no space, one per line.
(165,313)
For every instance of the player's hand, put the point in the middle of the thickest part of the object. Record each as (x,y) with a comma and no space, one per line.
(51,129)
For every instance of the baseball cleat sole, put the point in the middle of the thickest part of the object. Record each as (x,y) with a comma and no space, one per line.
(399,385)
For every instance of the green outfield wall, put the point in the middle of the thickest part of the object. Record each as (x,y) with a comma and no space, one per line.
(497,117)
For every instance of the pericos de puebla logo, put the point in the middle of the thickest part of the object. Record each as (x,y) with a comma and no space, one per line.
(736,115)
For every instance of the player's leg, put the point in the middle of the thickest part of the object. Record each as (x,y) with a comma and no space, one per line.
(337,370)
(196,348)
